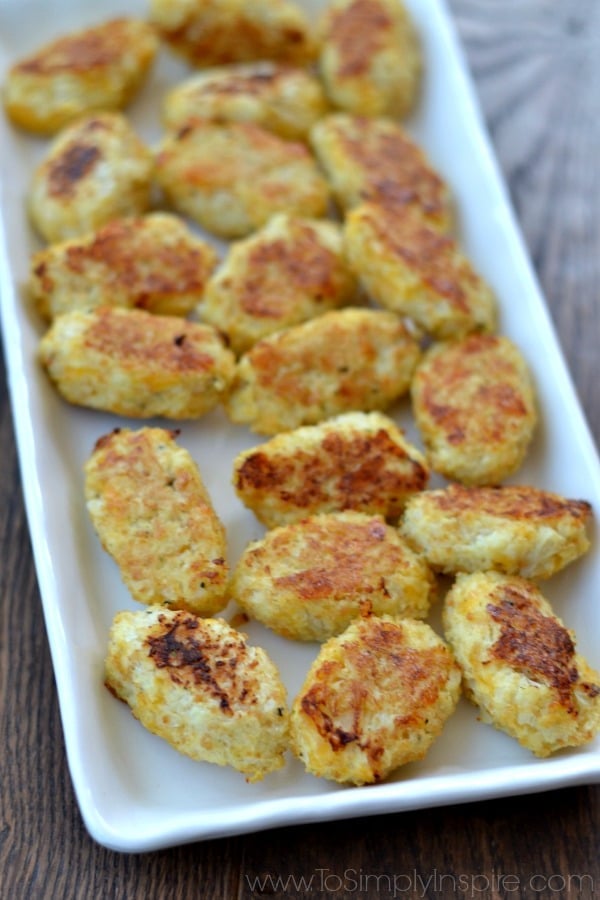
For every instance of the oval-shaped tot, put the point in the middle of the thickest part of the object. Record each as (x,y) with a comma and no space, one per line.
(376,698)
(360,461)
(154,516)
(282,99)
(198,684)
(214,32)
(132,363)
(291,270)
(95,170)
(308,581)
(515,529)
(151,262)
(474,406)
(370,57)
(407,266)
(231,177)
(376,160)
(97,68)
(519,662)
(344,360)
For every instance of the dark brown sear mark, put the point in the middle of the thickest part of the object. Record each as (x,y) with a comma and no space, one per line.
(73,165)
(537,645)
(194,658)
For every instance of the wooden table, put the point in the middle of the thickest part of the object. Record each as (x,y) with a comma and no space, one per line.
(537,68)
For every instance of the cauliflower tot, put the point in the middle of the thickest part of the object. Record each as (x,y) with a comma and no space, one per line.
(376,698)
(231,177)
(200,686)
(131,363)
(356,461)
(154,516)
(214,32)
(370,58)
(151,262)
(474,406)
(377,160)
(282,99)
(407,266)
(515,529)
(95,170)
(520,664)
(308,581)
(290,271)
(348,359)
(96,68)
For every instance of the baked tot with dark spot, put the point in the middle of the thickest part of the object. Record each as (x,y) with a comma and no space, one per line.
(375,699)
(95,170)
(356,461)
(520,664)
(200,686)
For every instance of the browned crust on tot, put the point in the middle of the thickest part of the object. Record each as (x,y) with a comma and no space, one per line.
(168,343)
(395,169)
(510,501)
(122,248)
(382,654)
(496,393)
(358,32)
(428,253)
(537,645)
(359,466)
(81,52)
(192,657)
(307,264)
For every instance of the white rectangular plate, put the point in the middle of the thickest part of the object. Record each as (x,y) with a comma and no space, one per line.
(134,791)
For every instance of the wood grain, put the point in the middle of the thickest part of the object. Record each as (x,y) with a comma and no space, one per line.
(537,69)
